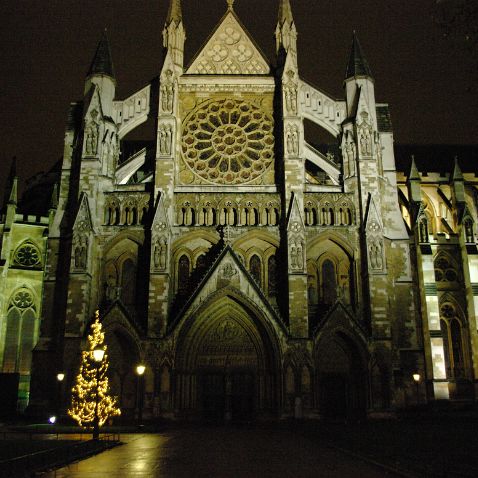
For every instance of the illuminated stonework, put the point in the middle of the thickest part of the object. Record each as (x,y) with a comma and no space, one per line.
(227,141)
(27,255)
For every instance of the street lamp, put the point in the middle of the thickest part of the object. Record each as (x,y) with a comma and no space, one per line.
(140,371)
(60,376)
(98,354)
(416,379)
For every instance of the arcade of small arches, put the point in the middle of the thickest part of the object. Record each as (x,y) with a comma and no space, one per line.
(127,209)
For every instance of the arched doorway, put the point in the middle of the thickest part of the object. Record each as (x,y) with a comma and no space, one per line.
(225,367)
(341,378)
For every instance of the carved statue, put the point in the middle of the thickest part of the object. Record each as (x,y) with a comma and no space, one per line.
(92,139)
(376,260)
(291,99)
(295,141)
(423,230)
(162,141)
(168,140)
(300,257)
(293,257)
(469,231)
(167,96)
(290,144)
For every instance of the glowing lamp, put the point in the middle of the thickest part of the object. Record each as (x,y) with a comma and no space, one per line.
(98,354)
(140,369)
(52,420)
(60,376)
(416,377)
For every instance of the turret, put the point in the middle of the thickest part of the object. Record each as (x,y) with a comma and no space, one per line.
(286,32)
(359,82)
(174,34)
(101,74)
(413,183)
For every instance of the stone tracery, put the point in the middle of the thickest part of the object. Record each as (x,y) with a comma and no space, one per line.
(228,142)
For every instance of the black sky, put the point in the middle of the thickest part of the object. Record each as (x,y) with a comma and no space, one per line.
(47,46)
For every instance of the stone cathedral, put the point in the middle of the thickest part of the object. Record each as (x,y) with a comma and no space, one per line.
(256,272)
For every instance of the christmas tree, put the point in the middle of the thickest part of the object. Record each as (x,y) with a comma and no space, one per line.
(91,402)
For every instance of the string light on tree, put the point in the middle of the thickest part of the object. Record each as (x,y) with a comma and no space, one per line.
(91,401)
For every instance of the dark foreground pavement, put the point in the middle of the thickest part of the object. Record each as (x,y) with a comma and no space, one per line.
(221,452)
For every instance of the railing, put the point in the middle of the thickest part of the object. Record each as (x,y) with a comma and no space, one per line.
(82,446)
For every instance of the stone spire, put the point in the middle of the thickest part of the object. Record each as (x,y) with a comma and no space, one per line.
(413,183)
(102,63)
(286,32)
(358,65)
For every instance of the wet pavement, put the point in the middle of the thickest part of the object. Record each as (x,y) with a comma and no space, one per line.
(222,453)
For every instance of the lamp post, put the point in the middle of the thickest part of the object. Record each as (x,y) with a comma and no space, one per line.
(416,379)
(98,354)
(60,376)
(140,371)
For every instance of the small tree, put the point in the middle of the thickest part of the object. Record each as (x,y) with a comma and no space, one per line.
(92,380)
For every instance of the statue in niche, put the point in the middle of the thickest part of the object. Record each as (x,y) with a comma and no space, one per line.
(375,253)
(168,140)
(167,95)
(300,257)
(159,255)
(91,146)
(293,257)
(291,99)
(162,141)
(290,144)
(81,251)
(469,231)
(295,141)
(423,230)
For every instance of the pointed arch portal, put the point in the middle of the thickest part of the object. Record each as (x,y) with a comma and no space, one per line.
(226,365)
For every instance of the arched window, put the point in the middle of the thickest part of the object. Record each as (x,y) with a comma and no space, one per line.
(255,268)
(201,264)
(128,283)
(11,340)
(457,349)
(27,341)
(272,275)
(452,343)
(183,273)
(329,283)
(20,334)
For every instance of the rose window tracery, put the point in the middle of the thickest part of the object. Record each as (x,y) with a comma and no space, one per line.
(228,142)
(22,300)
(27,255)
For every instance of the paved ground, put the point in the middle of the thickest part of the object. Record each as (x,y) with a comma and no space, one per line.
(220,452)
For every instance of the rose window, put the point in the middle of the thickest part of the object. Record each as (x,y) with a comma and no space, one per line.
(27,256)
(228,142)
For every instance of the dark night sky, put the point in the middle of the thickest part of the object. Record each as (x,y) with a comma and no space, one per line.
(47,46)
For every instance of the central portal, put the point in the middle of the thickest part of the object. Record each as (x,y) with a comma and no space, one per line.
(227,371)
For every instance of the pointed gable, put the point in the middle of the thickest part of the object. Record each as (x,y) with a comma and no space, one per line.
(229,51)
(83,222)
(227,273)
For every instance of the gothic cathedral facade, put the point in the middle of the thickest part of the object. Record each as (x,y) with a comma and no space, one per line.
(255,273)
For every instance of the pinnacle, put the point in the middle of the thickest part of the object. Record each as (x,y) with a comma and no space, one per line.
(175,12)
(358,65)
(285,12)
(457,174)
(230,4)
(414,174)
(102,63)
